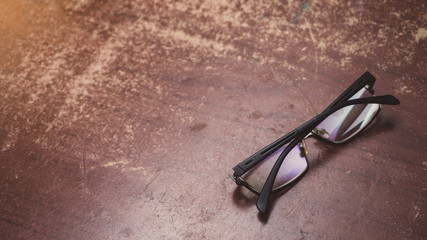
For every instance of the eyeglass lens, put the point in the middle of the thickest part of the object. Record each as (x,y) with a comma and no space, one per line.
(347,121)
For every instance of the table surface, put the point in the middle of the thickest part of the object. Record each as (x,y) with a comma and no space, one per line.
(123,119)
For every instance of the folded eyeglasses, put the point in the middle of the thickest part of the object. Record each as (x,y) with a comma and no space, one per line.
(284,161)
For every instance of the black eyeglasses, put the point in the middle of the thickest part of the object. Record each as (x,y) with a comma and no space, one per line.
(284,161)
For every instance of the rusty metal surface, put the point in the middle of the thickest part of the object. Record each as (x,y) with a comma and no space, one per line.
(122,119)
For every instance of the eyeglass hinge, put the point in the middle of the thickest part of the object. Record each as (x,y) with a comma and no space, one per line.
(237,180)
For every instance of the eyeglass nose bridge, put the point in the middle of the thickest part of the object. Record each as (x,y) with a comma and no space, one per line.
(315,131)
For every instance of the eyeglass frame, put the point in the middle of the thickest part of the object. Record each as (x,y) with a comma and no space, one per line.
(299,134)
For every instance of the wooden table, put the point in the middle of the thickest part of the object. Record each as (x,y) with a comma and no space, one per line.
(123,119)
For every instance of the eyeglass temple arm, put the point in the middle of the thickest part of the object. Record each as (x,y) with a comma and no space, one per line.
(366,79)
(253,160)
(302,131)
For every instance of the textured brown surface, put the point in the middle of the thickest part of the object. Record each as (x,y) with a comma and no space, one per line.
(122,119)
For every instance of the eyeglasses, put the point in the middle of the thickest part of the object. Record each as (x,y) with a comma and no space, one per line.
(284,161)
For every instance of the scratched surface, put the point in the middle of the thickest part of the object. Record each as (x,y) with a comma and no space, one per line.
(123,119)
